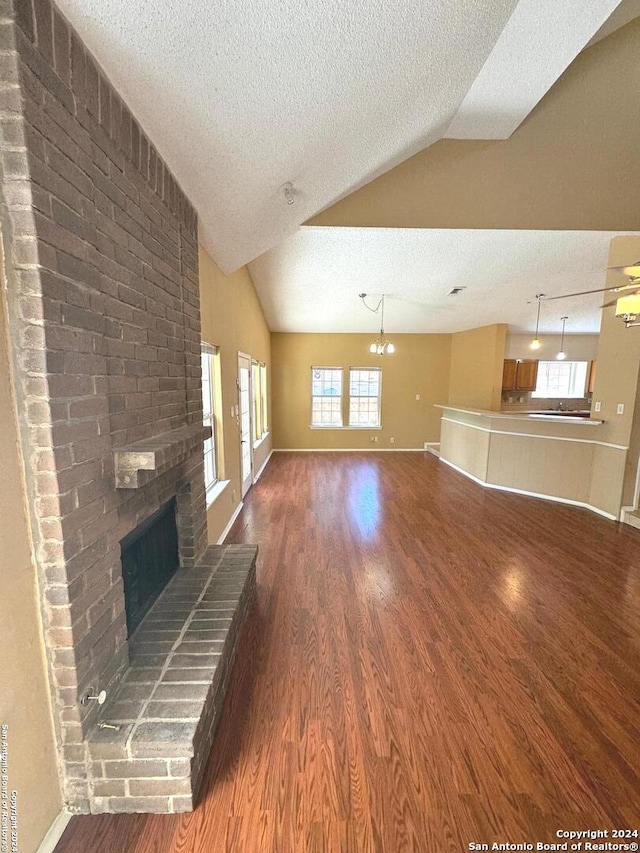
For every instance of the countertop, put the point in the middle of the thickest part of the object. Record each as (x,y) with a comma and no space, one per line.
(525,416)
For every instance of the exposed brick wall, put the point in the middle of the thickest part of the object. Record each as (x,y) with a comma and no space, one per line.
(102,296)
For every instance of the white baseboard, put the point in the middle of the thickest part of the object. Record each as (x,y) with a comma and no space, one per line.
(262,467)
(543,497)
(224,533)
(54,833)
(348,450)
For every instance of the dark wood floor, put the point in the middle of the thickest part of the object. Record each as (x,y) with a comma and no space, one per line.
(430,664)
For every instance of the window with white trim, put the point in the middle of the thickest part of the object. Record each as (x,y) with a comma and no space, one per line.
(259,402)
(364,396)
(561,379)
(209,359)
(326,396)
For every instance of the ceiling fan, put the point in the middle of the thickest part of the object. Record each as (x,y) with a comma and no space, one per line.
(627,304)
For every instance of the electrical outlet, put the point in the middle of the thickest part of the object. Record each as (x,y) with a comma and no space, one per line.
(620,409)
(375,438)
(392,440)
(372,439)
(597,406)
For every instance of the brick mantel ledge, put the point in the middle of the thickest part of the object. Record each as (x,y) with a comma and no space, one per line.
(137,464)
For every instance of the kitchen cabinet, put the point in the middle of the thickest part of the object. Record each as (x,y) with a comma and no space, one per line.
(519,374)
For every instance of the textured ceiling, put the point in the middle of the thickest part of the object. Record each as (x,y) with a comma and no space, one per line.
(539,41)
(311,281)
(241,97)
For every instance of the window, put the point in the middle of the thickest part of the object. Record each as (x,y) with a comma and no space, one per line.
(259,403)
(364,396)
(210,380)
(561,379)
(264,398)
(326,396)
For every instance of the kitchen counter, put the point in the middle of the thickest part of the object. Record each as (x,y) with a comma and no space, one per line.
(549,456)
(532,415)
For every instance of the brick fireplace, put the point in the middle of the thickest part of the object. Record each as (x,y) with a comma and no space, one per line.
(101,286)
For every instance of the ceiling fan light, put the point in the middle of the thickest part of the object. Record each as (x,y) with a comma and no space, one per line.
(628,307)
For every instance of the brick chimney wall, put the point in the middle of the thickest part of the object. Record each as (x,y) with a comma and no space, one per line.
(101,278)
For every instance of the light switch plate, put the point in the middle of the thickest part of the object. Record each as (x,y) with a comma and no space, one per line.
(231,411)
(417,396)
(597,406)
(620,409)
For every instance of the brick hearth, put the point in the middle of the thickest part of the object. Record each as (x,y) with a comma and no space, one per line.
(168,705)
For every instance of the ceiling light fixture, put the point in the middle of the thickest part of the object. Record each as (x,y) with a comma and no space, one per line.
(535,343)
(562,354)
(628,309)
(381,346)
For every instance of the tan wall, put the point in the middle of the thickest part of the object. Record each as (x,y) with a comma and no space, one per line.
(476,367)
(232,320)
(25,704)
(617,382)
(465,447)
(577,347)
(420,365)
(568,166)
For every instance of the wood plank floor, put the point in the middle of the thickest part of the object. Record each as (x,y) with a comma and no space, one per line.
(430,664)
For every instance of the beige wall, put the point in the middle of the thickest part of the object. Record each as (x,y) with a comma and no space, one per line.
(420,365)
(232,320)
(577,347)
(25,704)
(617,382)
(477,356)
(568,166)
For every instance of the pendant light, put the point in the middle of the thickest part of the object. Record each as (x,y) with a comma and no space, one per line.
(562,354)
(536,343)
(380,346)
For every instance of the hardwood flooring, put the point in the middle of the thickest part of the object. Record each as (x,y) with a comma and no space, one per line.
(430,664)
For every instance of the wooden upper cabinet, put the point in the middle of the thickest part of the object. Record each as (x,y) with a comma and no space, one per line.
(526,375)
(509,375)
(519,375)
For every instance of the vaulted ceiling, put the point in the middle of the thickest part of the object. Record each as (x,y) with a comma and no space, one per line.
(243,97)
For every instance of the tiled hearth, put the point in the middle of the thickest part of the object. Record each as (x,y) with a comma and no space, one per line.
(165,712)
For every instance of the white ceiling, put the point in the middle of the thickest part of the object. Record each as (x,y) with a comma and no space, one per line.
(311,281)
(240,97)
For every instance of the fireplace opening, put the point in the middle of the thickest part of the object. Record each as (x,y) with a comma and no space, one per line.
(149,560)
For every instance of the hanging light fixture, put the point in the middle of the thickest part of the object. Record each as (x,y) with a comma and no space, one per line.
(381,346)
(536,343)
(562,355)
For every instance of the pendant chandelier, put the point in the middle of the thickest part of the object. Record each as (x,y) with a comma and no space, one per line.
(381,346)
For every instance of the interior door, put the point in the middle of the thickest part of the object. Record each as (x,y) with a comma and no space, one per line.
(244,421)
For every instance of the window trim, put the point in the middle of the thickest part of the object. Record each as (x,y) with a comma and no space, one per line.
(545,395)
(313,368)
(378,370)
(216,486)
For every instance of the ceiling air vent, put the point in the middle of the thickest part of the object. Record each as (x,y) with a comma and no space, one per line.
(456,290)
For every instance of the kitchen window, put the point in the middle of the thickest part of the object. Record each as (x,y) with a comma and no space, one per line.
(364,396)
(326,396)
(561,379)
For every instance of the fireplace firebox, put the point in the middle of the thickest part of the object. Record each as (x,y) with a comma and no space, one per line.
(149,560)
